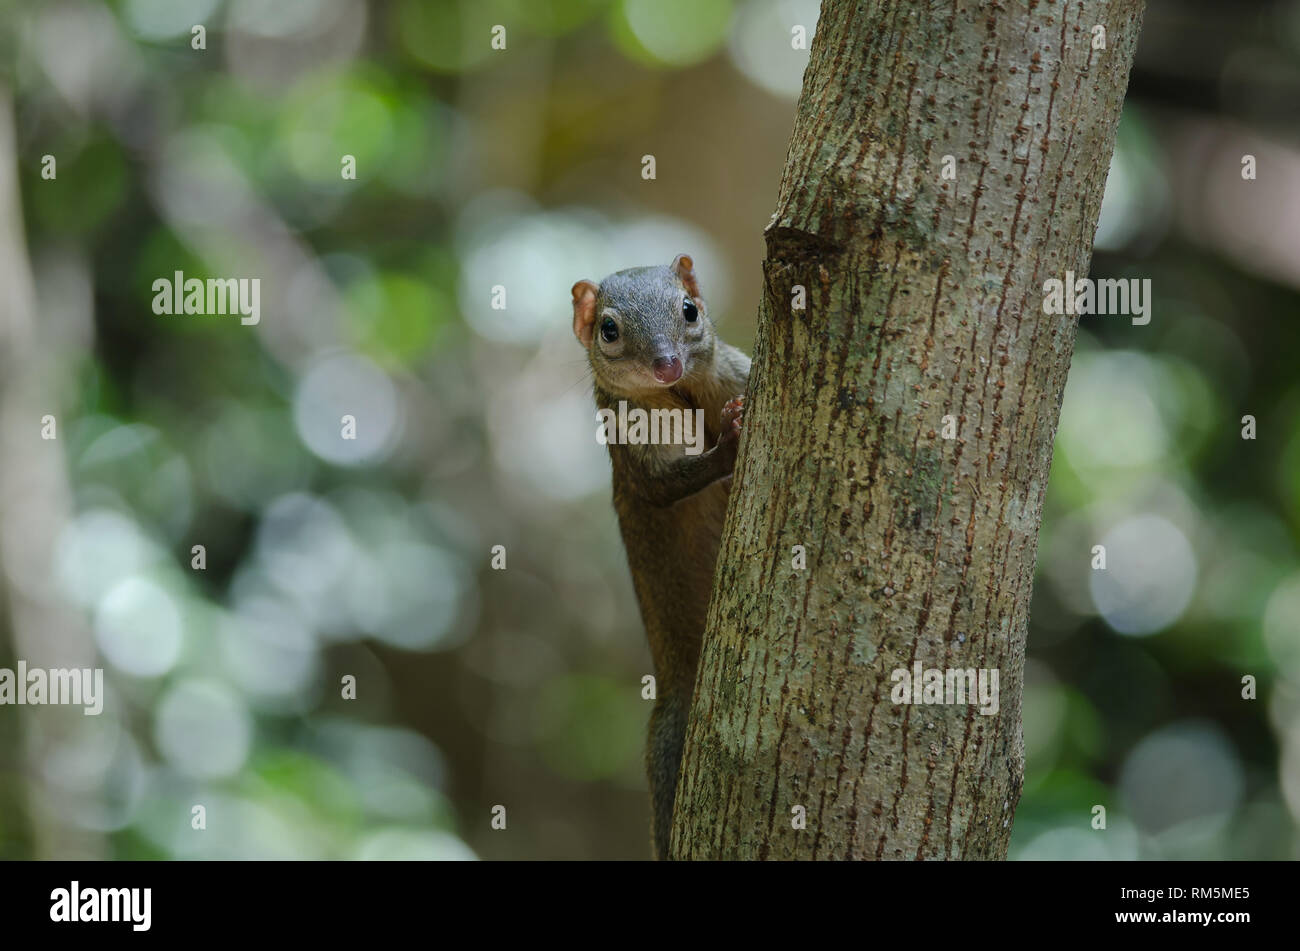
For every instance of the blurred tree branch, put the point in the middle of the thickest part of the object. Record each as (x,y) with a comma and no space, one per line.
(35,505)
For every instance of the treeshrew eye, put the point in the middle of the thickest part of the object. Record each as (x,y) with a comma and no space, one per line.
(689,310)
(608,330)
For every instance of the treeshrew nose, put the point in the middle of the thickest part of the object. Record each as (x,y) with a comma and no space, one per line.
(668,369)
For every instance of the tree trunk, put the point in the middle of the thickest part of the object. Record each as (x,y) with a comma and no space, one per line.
(924,300)
(35,508)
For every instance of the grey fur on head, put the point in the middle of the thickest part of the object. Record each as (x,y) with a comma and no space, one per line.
(645,328)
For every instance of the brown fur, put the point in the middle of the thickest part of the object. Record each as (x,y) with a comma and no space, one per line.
(670,504)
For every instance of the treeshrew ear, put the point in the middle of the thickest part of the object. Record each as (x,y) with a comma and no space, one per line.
(584,311)
(684,268)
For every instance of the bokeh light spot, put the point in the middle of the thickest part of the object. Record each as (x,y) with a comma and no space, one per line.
(1149,578)
(203,728)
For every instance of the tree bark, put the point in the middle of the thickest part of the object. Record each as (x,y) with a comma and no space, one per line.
(923,300)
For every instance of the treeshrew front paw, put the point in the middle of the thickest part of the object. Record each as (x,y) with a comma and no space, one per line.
(733,414)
